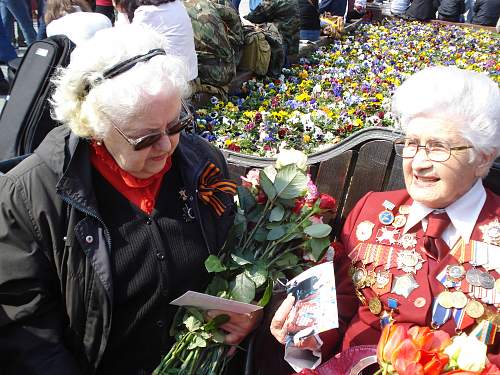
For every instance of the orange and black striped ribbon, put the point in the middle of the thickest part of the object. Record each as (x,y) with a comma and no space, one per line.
(211,186)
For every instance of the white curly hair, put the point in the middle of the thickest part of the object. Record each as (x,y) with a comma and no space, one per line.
(89,104)
(468,99)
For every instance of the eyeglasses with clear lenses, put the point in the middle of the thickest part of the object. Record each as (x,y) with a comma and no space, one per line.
(185,120)
(436,150)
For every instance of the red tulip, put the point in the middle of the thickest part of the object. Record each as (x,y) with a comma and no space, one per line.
(404,355)
(392,336)
(433,362)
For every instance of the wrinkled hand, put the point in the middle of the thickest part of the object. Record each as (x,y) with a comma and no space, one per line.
(281,321)
(239,325)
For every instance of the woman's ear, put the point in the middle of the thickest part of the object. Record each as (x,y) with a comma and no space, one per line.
(483,163)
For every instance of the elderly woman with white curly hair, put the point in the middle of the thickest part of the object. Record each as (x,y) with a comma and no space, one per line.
(427,255)
(111,218)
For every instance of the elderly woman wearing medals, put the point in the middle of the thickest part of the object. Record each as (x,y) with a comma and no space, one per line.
(428,255)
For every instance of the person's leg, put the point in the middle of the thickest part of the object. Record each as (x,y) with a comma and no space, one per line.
(41,34)
(7,21)
(20,11)
(7,51)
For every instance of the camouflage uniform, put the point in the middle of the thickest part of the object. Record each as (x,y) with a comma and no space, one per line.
(285,15)
(218,39)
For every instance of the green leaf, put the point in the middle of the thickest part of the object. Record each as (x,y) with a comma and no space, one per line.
(216,322)
(243,289)
(197,342)
(218,336)
(197,314)
(267,185)
(246,199)
(287,260)
(260,235)
(258,274)
(254,215)
(266,297)
(318,230)
(290,182)
(192,324)
(277,213)
(318,245)
(239,260)
(217,286)
(214,264)
(276,233)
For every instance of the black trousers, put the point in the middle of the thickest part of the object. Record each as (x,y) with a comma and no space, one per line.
(108,11)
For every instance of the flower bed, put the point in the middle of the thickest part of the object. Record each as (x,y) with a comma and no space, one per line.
(341,88)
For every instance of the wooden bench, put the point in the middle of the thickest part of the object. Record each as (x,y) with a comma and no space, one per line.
(364,162)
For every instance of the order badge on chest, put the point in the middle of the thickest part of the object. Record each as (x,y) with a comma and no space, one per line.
(383,248)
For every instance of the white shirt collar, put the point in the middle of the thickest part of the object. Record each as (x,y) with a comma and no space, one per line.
(463,213)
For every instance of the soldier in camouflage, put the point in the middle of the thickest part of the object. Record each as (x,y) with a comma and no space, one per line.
(218,39)
(285,15)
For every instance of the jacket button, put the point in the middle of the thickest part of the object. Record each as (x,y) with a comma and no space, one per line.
(160,256)
(149,221)
(89,239)
(160,324)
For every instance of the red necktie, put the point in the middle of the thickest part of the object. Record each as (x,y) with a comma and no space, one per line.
(433,242)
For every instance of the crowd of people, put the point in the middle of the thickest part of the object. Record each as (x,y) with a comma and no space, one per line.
(113,216)
(211,35)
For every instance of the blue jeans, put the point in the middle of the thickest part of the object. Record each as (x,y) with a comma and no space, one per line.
(41,34)
(7,51)
(236,3)
(312,35)
(20,10)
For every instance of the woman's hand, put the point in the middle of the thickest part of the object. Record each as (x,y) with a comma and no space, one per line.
(239,325)
(282,319)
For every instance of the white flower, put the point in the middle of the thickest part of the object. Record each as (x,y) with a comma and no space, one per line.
(287,157)
(468,353)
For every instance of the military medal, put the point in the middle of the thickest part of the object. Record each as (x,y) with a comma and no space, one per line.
(387,236)
(486,280)
(409,261)
(445,299)
(404,209)
(472,277)
(419,302)
(386,319)
(386,217)
(455,273)
(497,285)
(399,221)
(458,299)
(404,285)
(474,309)
(491,232)
(375,306)
(364,230)
(408,241)
(359,277)
(382,282)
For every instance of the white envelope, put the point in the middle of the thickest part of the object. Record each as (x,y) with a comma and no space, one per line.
(208,302)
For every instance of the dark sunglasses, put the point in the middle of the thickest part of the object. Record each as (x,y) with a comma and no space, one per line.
(175,127)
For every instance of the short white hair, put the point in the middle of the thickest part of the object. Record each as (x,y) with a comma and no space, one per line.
(118,100)
(468,99)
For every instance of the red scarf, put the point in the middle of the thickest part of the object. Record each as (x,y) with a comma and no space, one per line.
(140,191)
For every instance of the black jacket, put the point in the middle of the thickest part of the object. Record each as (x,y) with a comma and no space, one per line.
(56,289)
(486,12)
(309,15)
(451,9)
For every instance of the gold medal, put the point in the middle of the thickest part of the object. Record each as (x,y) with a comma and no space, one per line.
(399,221)
(459,299)
(474,309)
(445,299)
(359,277)
(375,306)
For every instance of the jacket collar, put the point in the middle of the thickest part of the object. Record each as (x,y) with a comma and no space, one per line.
(68,156)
